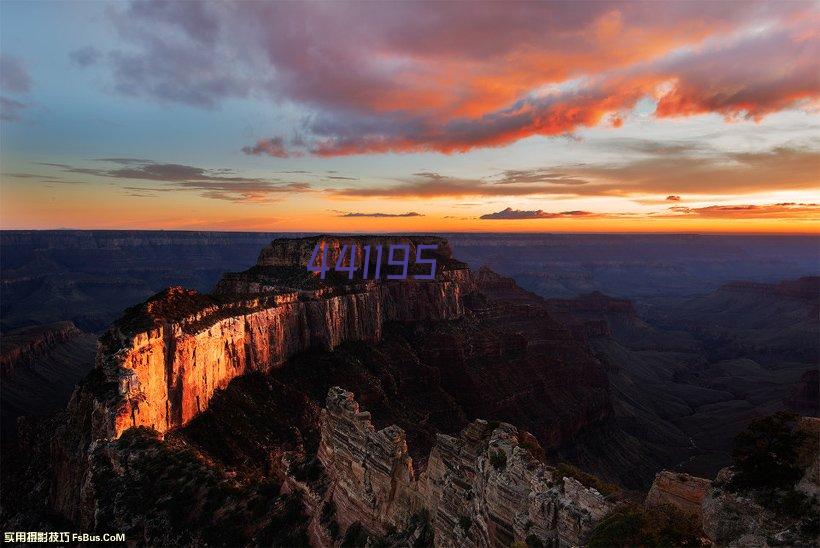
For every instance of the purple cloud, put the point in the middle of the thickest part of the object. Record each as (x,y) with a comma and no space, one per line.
(478,79)
(275,146)
(14,77)
(518,214)
(220,184)
(85,57)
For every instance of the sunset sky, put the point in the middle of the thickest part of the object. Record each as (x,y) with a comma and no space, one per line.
(332,116)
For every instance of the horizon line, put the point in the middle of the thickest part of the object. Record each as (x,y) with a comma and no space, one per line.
(525,233)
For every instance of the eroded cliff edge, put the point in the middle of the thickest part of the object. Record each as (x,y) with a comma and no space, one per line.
(168,356)
(427,355)
(482,487)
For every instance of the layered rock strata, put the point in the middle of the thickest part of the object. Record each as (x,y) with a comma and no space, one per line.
(39,368)
(168,356)
(482,488)
(680,490)
(24,348)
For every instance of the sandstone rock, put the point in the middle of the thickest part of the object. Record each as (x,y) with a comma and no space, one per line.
(479,489)
(680,490)
(728,518)
(372,471)
(169,355)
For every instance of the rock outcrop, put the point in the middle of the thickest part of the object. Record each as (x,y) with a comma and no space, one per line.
(680,490)
(168,356)
(733,516)
(482,488)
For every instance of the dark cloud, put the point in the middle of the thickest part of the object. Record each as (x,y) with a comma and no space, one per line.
(408,214)
(436,185)
(518,214)
(275,146)
(220,184)
(147,189)
(175,57)
(673,198)
(85,57)
(14,77)
(423,185)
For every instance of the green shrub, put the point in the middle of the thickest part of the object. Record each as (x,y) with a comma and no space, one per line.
(636,526)
(498,459)
(765,454)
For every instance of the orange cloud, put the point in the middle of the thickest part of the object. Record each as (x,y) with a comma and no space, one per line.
(786,210)
(376,78)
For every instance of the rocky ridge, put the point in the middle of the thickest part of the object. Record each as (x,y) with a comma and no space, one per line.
(24,347)
(169,355)
(806,288)
(731,517)
(683,491)
(480,488)
(39,368)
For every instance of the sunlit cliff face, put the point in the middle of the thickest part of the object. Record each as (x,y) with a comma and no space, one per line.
(600,116)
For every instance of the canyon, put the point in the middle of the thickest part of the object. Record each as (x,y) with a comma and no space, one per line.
(479,390)
(162,363)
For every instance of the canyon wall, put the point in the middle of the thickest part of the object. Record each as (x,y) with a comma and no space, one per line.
(168,356)
(24,348)
(39,367)
(481,488)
